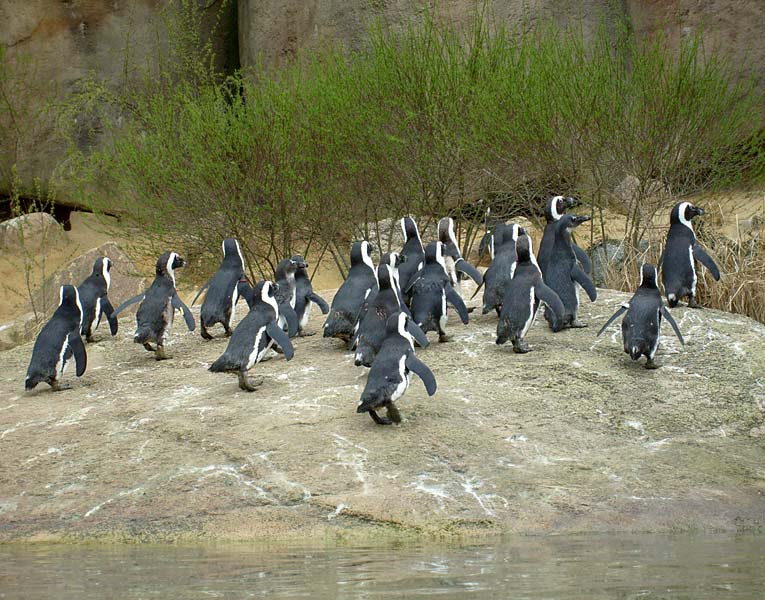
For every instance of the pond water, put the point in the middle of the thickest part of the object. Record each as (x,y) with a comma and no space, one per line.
(608,566)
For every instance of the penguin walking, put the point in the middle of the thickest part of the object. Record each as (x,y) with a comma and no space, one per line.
(522,296)
(57,342)
(154,318)
(371,330)
(304,296)
(390,373)
(94,300)
(431,291)
(499,273)
(641,326)
(563,273)
(360,285)
(286,293)
(255,334)
(455,263)
(394,260)
(678,260)
(413,250)
(224,289)
(554,210)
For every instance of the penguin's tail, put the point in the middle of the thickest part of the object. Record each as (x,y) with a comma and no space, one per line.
(142,335)
(370,401)
(635,352)
(31,381)
(338,324)
(364,355)
(224,364)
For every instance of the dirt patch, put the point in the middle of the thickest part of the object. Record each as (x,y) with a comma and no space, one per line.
(571,437)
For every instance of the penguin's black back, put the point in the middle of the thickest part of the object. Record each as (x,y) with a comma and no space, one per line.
(385,374)
(150,318)
(241,344)
(427,293)
(677,267)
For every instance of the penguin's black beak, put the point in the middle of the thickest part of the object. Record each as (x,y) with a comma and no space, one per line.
(698,210)
(178,262)
(300,264)
(571,202)
(579,220)
(275,286)
(401,259)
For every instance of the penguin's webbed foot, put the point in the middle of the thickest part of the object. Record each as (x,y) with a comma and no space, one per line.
(393,413)
(470,309)
(160,354)
(378,419)
(228,332)
(443,338)
(90,339)
(57,386)
(204,333)
(304,333)
(692,303)
(650,364)
(149,347)
(520,347)
(577,324)
(247,384)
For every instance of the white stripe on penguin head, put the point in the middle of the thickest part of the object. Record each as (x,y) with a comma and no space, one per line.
(554,207)
(402,329)
(169,266)
(239,252)
(367,258)
(681,214)
(79,307)
(267,296)
(440,255)
(105,263)
(453,237)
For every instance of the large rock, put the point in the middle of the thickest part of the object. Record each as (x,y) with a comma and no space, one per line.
(571,437)
(31,232)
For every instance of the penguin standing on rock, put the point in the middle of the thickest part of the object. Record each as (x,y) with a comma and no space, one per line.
(521,298)
(224,290)
(389,377)
(554,210)
(154,318)
(286,293)
(304,296)
(678,260)
(360,285)
(563,273)
(255,334)
(430,291)
(57,342)
(641,325)
(94,300)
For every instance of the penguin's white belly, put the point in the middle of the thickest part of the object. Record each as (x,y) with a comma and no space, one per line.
(444,318)
(234,298)
(404,382)
(61,362)
(532,314)
(306,314)
(694,279)
(97,313)
(256,356)
(168,315)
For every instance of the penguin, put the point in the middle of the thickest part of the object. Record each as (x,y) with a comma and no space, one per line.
(395,260)
(95,302)
(286,293)
(224,289)
(563,273)
(304,296)
(522,296)
(641,326)
(57,342)
(360,285)
(431,290)
(413,250)
(154,318)
(371,330)
(453,257)
(554,210)
(502,248)
(390,373)
(678,260)
(258,331)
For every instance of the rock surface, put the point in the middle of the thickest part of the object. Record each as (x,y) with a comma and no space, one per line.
(570,437)
(32,231)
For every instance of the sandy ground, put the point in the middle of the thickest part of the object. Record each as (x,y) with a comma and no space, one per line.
(571,437)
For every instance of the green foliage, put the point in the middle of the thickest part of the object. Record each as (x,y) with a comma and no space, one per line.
(428,120)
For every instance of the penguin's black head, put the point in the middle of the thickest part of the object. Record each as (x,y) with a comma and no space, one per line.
(684,212)
(285,269)
(361,253)
(434,253)
(523,247)
(168,262)
(69,296)
(394,259)
(409,228)
(384,276)
(300,262)
(102,266)
(556,207)
(569,222)
(648,276)
(447,238)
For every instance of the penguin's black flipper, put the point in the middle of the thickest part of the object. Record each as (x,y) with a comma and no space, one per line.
(293,325)
(419,368)
(672,322)
(202,289)
(700,254)
(320,302)
(187,316)
(584,280)
(418,334)
(616,315)
(108,310)
(456,301)
(244,290)
(277,334)
(78,349)
(548,295)
(583,259)
(415,278)
(483,245)
(465,267)
(127,303)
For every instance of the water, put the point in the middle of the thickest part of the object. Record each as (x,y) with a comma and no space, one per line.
(591,567)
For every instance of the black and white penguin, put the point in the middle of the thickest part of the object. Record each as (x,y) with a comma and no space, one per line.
(94,300)
(678,260)
(286,293)
(554,210)
(154,318)
(304,296)
(394,260)
(522,296)
(413,250)
(224,289)
(563,273)
(641,326)
(57,342)
(370,333)
(255,334)
(390,373)
(499,273)
(455,263)
(430,291)
(360,285)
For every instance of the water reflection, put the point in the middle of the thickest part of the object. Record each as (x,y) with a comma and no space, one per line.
(591,567)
